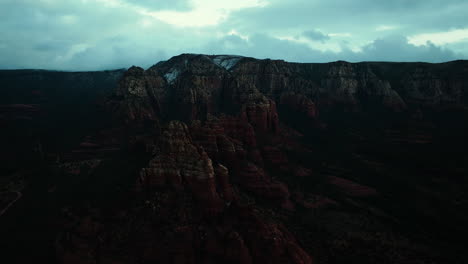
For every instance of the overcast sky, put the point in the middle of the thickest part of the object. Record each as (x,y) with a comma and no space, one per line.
(108,34)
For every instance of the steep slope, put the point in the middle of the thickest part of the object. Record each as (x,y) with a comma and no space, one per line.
(229,159)
(240,114)
(202,82)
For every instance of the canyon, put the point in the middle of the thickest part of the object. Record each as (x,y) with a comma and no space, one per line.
(231,159)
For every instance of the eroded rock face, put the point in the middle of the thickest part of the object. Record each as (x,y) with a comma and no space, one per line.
(430,87)
(178,160)
(213,126)
(204,156)
(136,104)
(299,103)
(185,88)
(227,141)
(191,212)
(191,87)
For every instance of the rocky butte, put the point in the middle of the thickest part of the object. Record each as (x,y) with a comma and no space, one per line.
(230,159)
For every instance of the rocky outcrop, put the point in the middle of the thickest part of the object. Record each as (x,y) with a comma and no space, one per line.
(191,87)
(136,104)
(191,212)
(299,103)
(262,115)
(179,163)
(233,158)
(230,140)
(430,87)
(305,88)
(185,88)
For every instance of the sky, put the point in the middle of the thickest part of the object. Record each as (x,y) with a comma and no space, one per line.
(108,34)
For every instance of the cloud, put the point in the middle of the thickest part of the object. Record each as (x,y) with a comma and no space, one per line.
(180,5)
(315,35)
(354,16)
(385,28)
(397,48)
(103,34)
(204,12)
(392,48)
(440,38)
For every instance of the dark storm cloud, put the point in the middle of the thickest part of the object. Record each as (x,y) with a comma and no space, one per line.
(315,35)
(396,48)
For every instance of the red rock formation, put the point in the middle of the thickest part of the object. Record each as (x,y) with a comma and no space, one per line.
(270,241)
(274,157)
(299,103)
(262,115)
(136,104)
(161,171)
(222,178)
(179,160)
(257,181)
(189,203)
